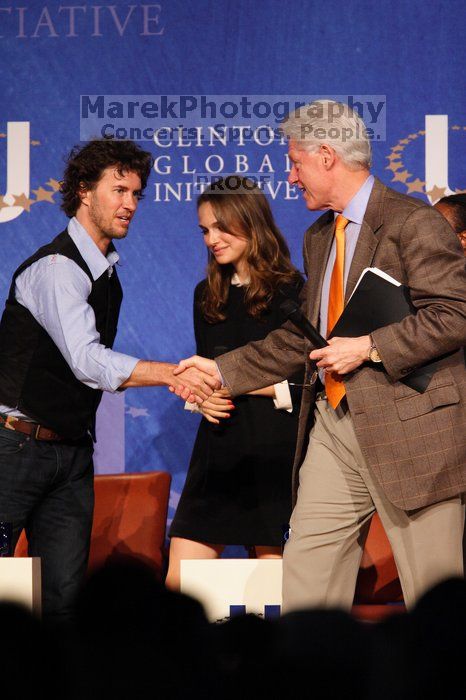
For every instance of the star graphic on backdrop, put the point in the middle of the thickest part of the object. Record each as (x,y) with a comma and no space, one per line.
(135,412)
(393,156)
(2,136)
(456,128)
(35,143)
(44,195)
(394,166)
(416,185)
(436,193)
(401,176)
(398,148)
(23,201)
(422,133)
(3,204)
(404,141)
(54,184)
(413,136)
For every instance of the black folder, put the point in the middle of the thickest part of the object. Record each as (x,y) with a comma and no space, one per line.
(375,303)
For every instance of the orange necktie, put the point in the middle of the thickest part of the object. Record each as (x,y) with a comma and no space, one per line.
(334,389)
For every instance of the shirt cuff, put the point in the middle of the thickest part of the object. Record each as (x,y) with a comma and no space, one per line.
(220,375)
(193,407)
(282,400)
(119,370)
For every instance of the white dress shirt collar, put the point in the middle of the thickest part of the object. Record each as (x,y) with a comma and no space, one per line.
(236,282)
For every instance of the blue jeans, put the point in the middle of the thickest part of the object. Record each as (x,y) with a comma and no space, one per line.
(47,488)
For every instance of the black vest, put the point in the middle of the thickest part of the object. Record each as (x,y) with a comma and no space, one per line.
(34,376)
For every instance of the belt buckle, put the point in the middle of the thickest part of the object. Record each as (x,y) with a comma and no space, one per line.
(8,422)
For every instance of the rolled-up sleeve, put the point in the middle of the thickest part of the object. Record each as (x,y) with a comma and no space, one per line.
(55,290)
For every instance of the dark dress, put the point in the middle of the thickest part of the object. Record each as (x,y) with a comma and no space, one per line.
(238,487)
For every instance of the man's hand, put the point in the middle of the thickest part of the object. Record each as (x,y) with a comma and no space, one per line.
(201,363)
(342,355)
(193,385)
(217,406)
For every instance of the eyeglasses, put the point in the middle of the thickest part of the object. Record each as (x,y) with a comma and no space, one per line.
(312,381)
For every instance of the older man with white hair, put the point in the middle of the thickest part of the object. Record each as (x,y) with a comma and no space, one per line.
(367,441)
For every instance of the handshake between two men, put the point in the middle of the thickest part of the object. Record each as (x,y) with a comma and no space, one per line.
(198,380)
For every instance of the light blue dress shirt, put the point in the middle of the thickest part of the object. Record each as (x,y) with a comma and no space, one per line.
(354,212)
(55,290)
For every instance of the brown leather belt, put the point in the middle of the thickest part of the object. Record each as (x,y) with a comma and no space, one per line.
(39,432)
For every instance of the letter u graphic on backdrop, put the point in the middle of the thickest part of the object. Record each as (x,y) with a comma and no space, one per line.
(437,153)
(17,169)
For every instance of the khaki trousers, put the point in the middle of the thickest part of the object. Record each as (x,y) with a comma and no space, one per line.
(336,500)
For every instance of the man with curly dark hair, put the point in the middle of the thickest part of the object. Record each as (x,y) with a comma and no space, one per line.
(56,358)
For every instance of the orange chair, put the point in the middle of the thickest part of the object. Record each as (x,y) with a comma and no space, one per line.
(378,591)
(129,518)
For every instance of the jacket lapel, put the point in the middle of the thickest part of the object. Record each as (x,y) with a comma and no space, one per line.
(319,245)
(367,241)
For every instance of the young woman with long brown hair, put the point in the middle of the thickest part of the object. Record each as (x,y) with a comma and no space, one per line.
(238,487)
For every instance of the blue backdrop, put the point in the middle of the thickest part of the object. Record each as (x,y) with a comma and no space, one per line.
(407,52)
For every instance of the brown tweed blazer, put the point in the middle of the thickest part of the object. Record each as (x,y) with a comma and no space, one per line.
(414,443)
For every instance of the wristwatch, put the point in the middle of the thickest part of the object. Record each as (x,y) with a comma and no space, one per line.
(373,354)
